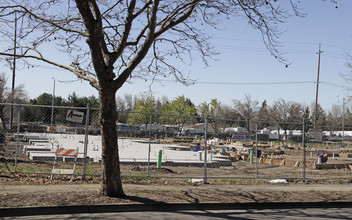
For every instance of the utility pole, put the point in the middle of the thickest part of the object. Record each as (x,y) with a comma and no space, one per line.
(13,73)
(317,90)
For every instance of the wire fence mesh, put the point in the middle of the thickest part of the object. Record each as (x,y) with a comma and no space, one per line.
(172,146)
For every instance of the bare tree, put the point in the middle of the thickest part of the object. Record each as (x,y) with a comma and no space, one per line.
(348,76)
(247,110)
(19,96)
(109,42)
(334,117)
(120,104)
(348,118)
(286,114)
(130,102)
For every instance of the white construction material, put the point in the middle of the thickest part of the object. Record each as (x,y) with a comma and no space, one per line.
(278,181)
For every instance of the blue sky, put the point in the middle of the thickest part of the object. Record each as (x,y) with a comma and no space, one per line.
(244,65)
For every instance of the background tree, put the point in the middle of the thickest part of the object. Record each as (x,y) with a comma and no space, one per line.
(286,114)
(108,42)
(334,118)
(203,109)
(74,100)
(144,111)
(348,118)
(213,112)
(124,105)
(264,116)
(307,118)
(336,114)
(43,114)
(179,106)
(321,116)
(227,116)
(19,96)
(295,115)
(120,104)
(130,101)
(348,76)
(246,110)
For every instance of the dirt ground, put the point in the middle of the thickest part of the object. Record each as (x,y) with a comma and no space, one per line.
(183,190)
(165,191)
(240,169)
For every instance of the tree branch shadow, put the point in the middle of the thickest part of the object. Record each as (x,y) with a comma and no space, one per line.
(143,200)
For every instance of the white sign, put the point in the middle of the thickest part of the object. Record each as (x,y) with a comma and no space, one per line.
(74,116)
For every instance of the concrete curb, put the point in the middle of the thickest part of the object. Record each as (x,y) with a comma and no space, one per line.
(53,210)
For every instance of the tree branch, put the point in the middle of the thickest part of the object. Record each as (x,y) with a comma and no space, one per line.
(168,22)
(78,72)
(142,52)
(128,24)
(49,21)
(92,19)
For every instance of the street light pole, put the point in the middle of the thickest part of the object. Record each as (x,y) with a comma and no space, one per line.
(52,107)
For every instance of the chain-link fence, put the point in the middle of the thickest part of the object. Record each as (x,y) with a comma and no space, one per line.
(172,146)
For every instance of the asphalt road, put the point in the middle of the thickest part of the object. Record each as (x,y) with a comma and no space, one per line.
(310,213)
(246,211)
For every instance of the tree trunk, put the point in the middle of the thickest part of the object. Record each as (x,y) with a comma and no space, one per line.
(2,118)
(111,182)
(286,135)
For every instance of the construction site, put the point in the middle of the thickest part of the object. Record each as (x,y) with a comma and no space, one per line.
(216,149)
(179,157)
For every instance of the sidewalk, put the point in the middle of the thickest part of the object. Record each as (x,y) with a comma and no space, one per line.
(175,197)
(18,189)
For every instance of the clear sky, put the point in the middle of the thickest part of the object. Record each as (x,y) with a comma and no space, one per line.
(244,65)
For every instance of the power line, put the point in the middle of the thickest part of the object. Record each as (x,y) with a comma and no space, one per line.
(260,41)
(229,83)
(261,83)
(336,85)
(253,83)
(337,47)
(241,83)
(283,42)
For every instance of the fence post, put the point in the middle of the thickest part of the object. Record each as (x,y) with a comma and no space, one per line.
(150,136)
(256,150)
(303,151)
(52,109)
(86,143)
(18,133)
(160,154)
(205,149)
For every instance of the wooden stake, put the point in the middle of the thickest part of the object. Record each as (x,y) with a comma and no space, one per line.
(282,162)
